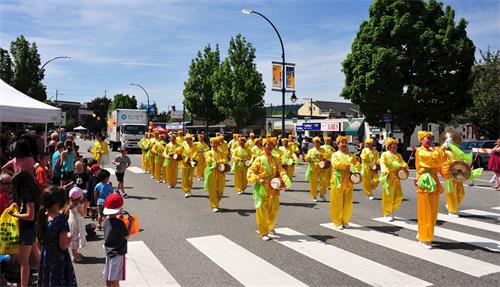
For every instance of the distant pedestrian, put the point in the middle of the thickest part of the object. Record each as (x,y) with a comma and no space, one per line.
(122,162)
(494,163)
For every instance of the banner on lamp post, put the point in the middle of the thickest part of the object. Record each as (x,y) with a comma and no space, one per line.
(277,83)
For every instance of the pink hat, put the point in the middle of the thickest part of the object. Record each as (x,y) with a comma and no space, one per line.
(75,193)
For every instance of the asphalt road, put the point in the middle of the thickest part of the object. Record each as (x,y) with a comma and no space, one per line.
(167,219)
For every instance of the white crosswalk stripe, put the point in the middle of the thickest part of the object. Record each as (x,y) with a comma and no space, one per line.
(360,268)
(441,257)
(480,213)
(244,266)
(470,223)
(490,244)
(143,269)
(135,169)
(497,208)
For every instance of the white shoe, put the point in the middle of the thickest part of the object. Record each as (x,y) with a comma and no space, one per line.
(188,194)
(323,198)
(446,206)
(416,236)
(339,227)
(371,198)
(453,214)
(389,218)
(346,225)
(315,199)
(152,177)
(240,193)
(425,245)
(215,210)
(266,238)
(272,232)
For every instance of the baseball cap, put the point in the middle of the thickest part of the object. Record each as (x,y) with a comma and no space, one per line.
(113,204)
(95,167)
(75,193)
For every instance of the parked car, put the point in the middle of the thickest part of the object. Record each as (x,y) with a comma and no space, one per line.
(480,159)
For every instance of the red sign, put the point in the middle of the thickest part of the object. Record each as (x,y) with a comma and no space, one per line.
(330,127)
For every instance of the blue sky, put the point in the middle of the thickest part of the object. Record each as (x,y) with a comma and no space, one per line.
(113,43)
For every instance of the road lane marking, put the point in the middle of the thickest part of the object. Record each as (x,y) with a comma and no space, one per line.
(135,169)
(458,262)
(358,267)
(470,223)
(244,266)
(144,269)
(497,208)
(490,244)
(481,212)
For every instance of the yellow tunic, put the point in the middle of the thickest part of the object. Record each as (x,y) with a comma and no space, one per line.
(456,195)
(314,173)
(201,148)
(428,201)
(99,150)
(172,166)
(257,151)
(189,153)
(342,187)
(216,181)
(240,155)
(392,194)
(157,151)
(151,159)
(142,145)
(287,156)
(267,213)
(370,177)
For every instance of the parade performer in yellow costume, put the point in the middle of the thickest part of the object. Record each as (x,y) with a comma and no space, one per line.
(390,163)
(251,141)
(223,147)
(314,173)
(171,164)
(157,151)
(295,144)
(328,151)
(215,179)
(369,157)
(288,157)
(455,189)
(241,155)
(100,150)
(428,160)
(180,138)
(201,147)
(266,199)
(343,164)
(234,143)
(142,145)
(257,149)
(151,159)
(189,156)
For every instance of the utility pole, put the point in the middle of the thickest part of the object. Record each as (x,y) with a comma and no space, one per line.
(105,93)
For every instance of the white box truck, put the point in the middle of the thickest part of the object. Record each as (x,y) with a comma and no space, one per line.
(126,127)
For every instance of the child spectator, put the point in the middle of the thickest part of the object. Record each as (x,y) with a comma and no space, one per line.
(54,237)
(42,171)
(122,162)
(56,164)
(26,194)
(102,190)
(67,163)
(81,177)
(77,210)
(115,241)
(95,169)
(6,197)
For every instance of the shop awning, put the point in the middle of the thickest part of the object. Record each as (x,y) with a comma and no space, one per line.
(355,127)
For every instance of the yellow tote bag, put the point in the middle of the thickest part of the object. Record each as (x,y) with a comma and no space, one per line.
(9,231)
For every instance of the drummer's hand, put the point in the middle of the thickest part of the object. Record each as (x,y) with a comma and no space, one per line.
(262,180)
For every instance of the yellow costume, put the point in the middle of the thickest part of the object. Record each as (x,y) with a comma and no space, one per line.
(240,155)
(257,150)
(189,153)
(326,173)
(266,200)
(151,158)
(215,180)
(343,163)
(201,147)
(455,190)
(157,152)
(427,163)
(314,173)
(251,141)
(392,194)
(370,177)
(180,138)
(100,150)
(171,165)
(143,145)
(234,143)
(289,158)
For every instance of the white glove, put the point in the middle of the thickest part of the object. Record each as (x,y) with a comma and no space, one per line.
(447,142)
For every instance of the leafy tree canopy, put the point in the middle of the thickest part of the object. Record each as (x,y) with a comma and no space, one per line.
(121,101)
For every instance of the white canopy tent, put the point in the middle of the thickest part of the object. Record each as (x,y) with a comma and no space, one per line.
(16,107)
(80,128)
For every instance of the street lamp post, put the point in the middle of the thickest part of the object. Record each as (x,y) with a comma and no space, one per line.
(147,95)
(283,79)
(55,58)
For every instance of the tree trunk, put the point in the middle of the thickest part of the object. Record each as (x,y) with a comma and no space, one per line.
(407,133)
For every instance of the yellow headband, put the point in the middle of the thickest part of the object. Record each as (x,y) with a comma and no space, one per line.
(252,134)
(285,140)
(217,134)
(369,141)
(270,140)
(388,142)
(316,139)
(328,139)
(214,139)
(341,138)
(220,138)
(423,134)
(188,136)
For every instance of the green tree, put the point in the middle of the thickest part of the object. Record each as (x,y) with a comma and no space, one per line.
(412,59)
(70,124)
(6,69)
(199,88)
(485,109)
(97,122)
(121,101)
(239,89)
(27,76)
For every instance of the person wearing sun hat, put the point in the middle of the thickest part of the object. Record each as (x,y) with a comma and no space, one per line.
(288,155)
(257,149)
(266,199)
(241,154)
(313,174)
(215,180)
(428,160)
(343,164)
(115,240)
(152,142)
(201,147)
(326,173)
(189,154)
(234,142)
(171,165)
(157,151)
(369,157)
(390,163)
